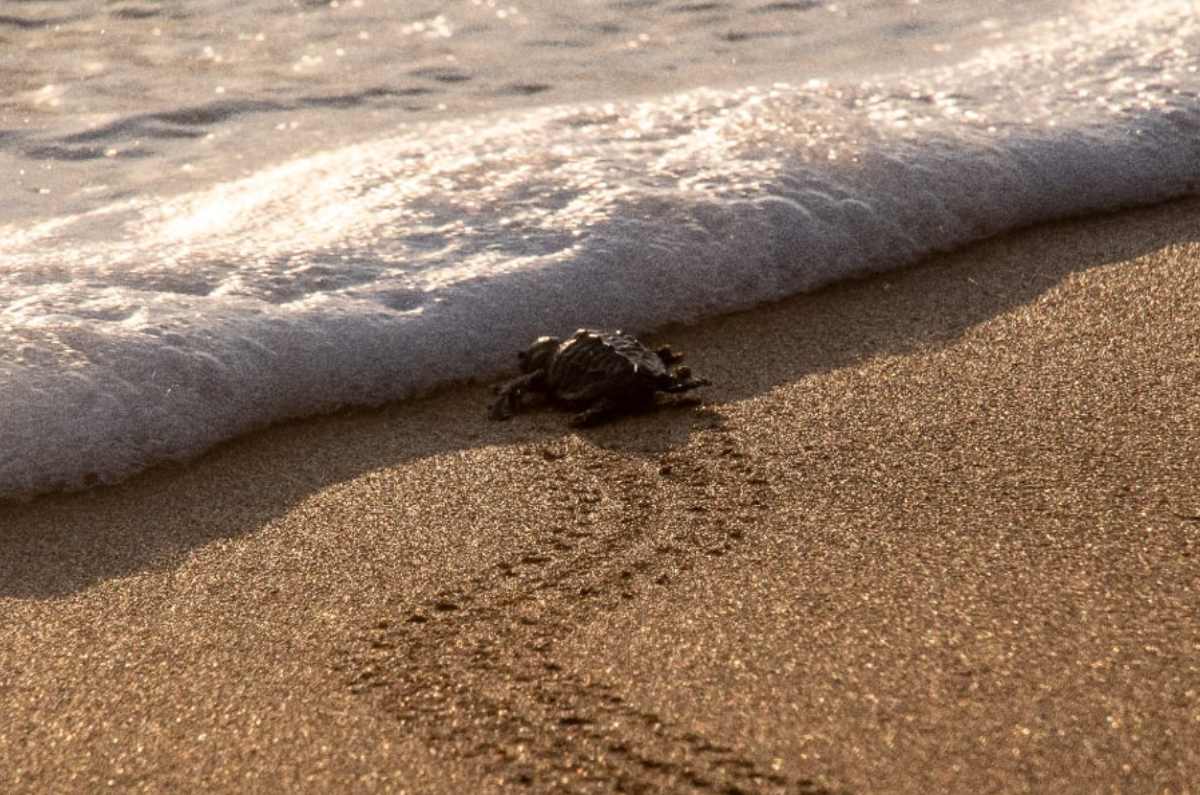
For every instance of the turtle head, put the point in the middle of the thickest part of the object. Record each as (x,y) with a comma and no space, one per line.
(538,355)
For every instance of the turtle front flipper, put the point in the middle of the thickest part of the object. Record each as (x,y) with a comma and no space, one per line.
(509,396)
(601,410)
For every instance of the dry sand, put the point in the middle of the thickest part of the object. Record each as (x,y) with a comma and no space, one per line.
(936,531)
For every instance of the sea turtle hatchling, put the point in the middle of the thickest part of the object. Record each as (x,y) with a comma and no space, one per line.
(599,373)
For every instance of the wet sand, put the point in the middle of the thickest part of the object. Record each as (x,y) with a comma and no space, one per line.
(935,531)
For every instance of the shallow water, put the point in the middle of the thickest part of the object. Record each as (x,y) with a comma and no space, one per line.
(102,100)
(301,216)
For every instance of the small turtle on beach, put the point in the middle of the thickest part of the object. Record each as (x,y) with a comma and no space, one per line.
(600,373)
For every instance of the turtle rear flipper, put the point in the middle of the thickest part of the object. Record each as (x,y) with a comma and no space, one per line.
(667,355)
(682,381)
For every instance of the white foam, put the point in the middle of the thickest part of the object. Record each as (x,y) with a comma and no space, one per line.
(150,330)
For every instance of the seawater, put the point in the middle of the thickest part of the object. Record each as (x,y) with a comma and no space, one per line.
(233,214)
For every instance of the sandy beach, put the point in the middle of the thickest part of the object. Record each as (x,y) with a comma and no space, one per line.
(934,531)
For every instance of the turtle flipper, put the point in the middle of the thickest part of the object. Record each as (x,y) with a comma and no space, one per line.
(682,380)
(600,411)
(667,355)
(509,396)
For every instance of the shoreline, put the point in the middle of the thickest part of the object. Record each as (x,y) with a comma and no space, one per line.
(935,530)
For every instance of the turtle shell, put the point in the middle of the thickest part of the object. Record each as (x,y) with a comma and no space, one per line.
(596,364)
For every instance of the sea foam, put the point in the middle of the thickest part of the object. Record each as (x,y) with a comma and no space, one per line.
(150,329)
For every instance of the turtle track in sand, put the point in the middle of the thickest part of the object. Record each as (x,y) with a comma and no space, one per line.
(476,670)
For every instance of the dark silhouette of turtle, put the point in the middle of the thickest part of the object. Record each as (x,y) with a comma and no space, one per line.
(600,373)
